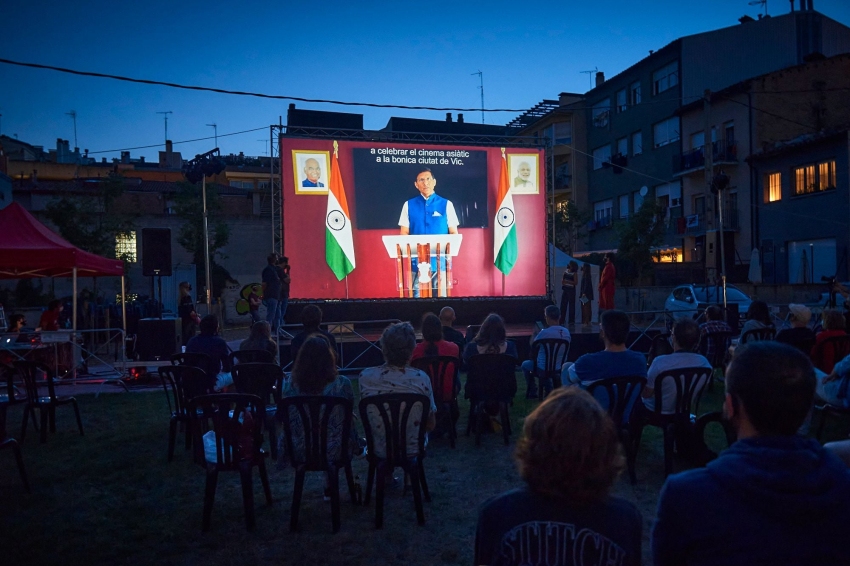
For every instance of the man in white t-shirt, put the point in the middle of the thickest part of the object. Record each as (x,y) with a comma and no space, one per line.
(685,337)
(553,330)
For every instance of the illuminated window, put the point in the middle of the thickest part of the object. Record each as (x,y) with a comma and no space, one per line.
(814,178)
(826,175)
(774,187)
(125,246)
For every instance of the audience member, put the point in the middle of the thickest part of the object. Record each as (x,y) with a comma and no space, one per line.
(686,334)
(773,497)
(433,344)
(833,387)
(553,330)
(284,271)
(833,325)
(569,456)
(311,318)
(16,322)
(189,319)
(447,318)
(210,343)
(758,317)
(260,339)
(491,339)
(799,335)
(50,318)
(712,346)
(614,361)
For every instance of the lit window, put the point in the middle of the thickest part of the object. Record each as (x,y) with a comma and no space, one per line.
(826,175)
(666,131)
(665,78)
(601,155)
(814,178)
(125,246)
(774,187)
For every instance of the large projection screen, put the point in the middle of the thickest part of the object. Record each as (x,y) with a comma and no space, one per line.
(378,179)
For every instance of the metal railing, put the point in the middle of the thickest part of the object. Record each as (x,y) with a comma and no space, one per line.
(722,152)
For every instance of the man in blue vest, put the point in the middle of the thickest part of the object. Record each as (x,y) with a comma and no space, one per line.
(428,213)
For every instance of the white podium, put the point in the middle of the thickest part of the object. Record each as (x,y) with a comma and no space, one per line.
(423,247)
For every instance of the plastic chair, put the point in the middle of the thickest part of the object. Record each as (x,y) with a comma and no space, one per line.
(251,356)
(195,359)
(491,378)
(555,351)
(234,418)
(46,406)
(719,346)
(308,417)
(7,441)
(758,334)
(263,380)
(395,416)
(618,395)
(10,394)
(442,369)
(181,383)
(689,383)
(830,351)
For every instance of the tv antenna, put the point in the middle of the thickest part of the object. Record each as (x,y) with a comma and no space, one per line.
(762,3)
(165,115)
(73,115)
(590,75)
(481,77)
(214,126)
(265,146)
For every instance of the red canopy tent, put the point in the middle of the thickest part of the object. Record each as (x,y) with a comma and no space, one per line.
(29,249)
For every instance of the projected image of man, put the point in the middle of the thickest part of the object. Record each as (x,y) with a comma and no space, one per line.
(312,173)
(428,213)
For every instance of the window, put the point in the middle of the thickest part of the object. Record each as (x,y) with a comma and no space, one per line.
(637,143)
(563,133)
(601,155)
(814,178)
(699,205)
(263,185)
(624,206)
(125,246)
(697,140)
(774,187)
(665,78)
(729,133)
(599,114)
(634,93)
(670,194)
(638,201)
(621,101)
(666,131)
(602,212)
(623,146)
(242,184)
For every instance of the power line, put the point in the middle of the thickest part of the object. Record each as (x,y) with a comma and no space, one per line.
(179,142)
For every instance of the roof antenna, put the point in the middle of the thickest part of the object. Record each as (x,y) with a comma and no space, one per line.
(481,76)
(763,4)
(590,75)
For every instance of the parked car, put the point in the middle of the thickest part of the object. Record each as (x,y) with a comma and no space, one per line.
(690,300)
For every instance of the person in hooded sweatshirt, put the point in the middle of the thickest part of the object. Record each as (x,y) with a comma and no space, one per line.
(773,497)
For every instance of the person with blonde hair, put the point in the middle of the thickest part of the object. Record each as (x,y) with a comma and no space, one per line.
(569,456)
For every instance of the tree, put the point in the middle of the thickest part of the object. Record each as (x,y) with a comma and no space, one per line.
(569,225)
(189,206)
(638,235)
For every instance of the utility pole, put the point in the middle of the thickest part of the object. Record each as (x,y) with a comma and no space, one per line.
(708,152)
(165,115)
(214,126)
(73,115)
(481,78)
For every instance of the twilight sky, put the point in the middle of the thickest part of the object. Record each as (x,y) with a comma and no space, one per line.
(407,53)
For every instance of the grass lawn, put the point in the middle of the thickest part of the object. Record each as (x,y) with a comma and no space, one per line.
(110,497)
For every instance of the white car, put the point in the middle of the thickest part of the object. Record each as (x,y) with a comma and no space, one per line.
(689,300)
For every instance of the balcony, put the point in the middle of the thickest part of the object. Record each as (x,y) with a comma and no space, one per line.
(724,153)
(697,224)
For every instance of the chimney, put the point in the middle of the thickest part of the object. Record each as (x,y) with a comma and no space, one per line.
(125,157)
(448,116)
(292,106)
(168,147)
(103,160)
(141,159)
(600,78)
(460,118)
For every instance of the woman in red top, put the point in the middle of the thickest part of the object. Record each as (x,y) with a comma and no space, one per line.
(433,345)
(606,284)
(50,318)
(823,357)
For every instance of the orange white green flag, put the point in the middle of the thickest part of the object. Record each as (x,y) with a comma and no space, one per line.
(504,228)
(339,243)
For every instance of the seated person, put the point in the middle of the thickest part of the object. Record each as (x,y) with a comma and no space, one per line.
(832,387)
(447,319)
(260,339)
(772,497)
(569,456)
(433,345)
(553,330)
(311,318)
(397,376)
(210,343)
(758,316)
(50,318)
(491,339)
(17,322)
(823,358)
(685,339)
(708,330)
(799,335)
(614,361)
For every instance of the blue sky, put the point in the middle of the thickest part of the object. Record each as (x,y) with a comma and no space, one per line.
(408,53)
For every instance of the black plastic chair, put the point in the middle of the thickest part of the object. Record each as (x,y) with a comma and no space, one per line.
(839,346)
(555,351)
(195,359)
(251,356)
(719,343)
(10,394)
(395,416)
(619,395)
(689,383)
(491,378)
(440,369)
(758,334)
(45,405)
(235,419)
(263,380)
(181,383)
(7,441)
(308,417)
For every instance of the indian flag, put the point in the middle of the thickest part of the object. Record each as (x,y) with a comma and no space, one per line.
(339,244)
(504,229)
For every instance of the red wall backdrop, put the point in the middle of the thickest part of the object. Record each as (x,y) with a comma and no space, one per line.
(375,273)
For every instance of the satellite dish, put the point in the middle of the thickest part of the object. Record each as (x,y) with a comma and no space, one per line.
(643,191)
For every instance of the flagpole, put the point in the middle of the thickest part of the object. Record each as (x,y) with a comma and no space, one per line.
(346,286)
(503,284)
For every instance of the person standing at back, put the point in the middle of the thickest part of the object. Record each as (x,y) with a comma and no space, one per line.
(586,295)
(271,291)
(607,285)
(568,294)
(283,273)
(186,310)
